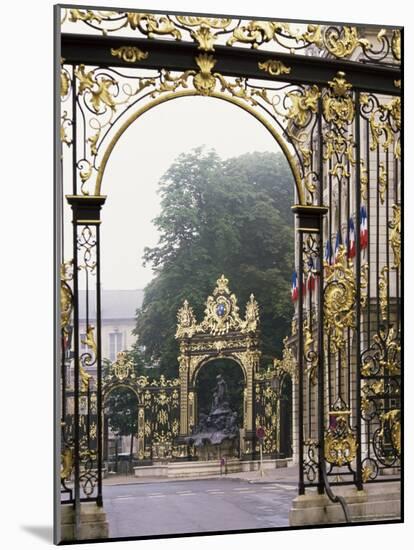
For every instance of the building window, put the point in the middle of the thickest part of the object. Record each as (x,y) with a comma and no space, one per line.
(115,344)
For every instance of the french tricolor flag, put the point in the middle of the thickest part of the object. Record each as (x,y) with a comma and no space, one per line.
(295,291)
(364,228)
(338,243)
(328,252)
(351,241)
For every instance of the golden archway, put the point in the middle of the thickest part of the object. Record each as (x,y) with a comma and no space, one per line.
(254,111)
(221,334)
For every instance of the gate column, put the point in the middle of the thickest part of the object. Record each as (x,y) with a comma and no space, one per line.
(309,223)
(87,373)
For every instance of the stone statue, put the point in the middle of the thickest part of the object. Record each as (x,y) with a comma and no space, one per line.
(220,426)
(231,423)
(220,396)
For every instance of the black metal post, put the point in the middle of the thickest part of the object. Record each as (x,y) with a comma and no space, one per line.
(76,386)
(86,212)
(99,365)
(358,478)
(309,221)
(301,487)
(320,328)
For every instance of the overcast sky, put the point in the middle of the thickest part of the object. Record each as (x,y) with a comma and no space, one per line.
(143,155)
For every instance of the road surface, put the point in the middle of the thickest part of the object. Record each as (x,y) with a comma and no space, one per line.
(186,506)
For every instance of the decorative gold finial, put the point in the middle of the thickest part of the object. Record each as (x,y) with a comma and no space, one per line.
(222,285)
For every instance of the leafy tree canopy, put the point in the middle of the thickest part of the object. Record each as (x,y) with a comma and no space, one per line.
(219,216)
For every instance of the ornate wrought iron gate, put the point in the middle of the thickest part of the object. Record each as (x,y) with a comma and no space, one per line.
(348,339)
(158,408)
(336,114)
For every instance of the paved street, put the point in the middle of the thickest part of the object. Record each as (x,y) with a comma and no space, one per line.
(197,505)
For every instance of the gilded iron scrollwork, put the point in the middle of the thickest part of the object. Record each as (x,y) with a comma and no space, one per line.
(340,440)
(288,364)
(342,42)
(310,355)
(129,54)
(383,292)
(274,67)
(105,95)
(384,122)
(339,113)
(395,235)
(383,356)
(66,297)
(202,27)
(158,407)
(380,401)
(339,299)
(162,411)
(338,105)
(267,410)
(268,384)
(298,109)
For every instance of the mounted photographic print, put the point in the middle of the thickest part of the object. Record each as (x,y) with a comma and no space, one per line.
(228,274)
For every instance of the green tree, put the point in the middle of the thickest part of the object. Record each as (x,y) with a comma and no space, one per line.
(219,216)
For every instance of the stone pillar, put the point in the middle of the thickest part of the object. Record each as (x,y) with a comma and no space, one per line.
(375,503)
(92,525)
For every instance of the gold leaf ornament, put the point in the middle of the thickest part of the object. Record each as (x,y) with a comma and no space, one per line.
(204,81)
(338,105)
(383,292)
(64,83)
(254,33)
(340,443)
(396,44)
(66,463)
(339,298)
(153,25)
(303,105)
(84,15)
(395,235)
(343,43)
(274,67)
(98,87)
(129,54)
(66,296)
(203,34)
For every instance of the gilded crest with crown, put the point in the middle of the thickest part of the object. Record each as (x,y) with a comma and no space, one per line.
(221,314)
